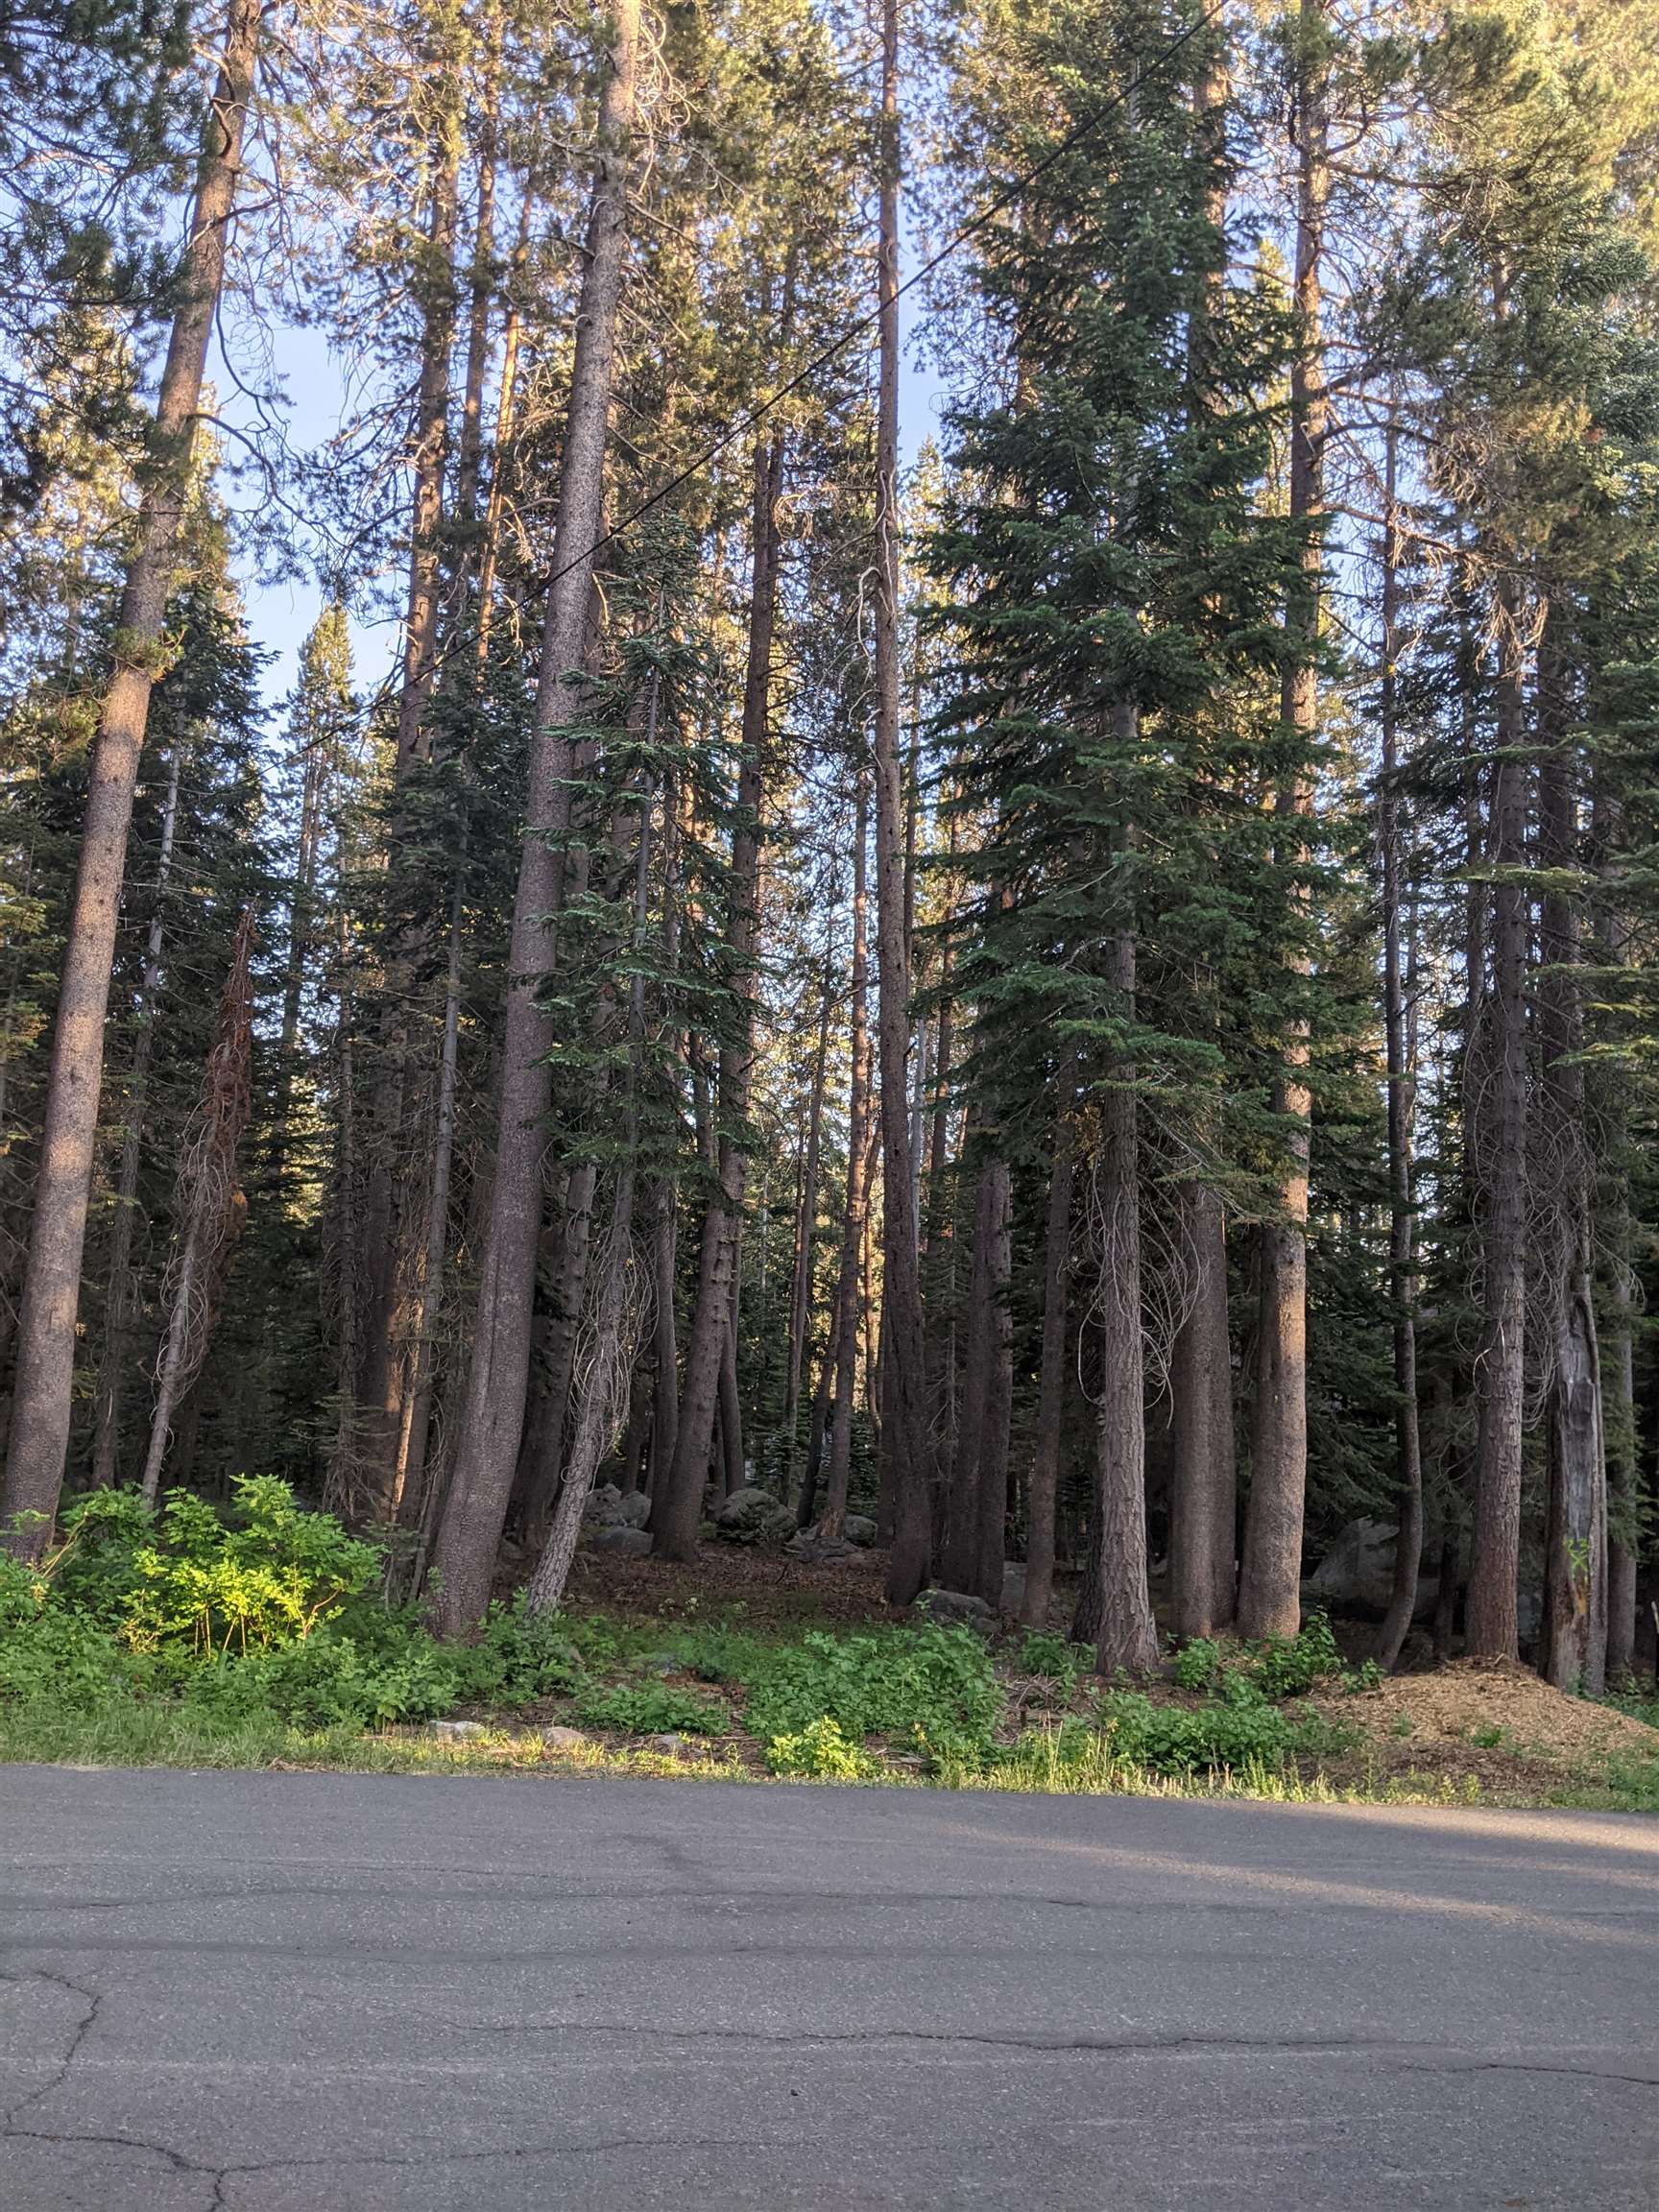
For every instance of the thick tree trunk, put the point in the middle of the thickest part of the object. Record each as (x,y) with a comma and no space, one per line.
(903,1411)
(494,1409)
(1203,1489)
(1576,1546)
(993,1229)
(44,1386)
(1401,1104)
(1269,1580)
(1498,1117)
(677,1508)
(603,1401)
(1125,1635)
(107,1433)
(1044,1480)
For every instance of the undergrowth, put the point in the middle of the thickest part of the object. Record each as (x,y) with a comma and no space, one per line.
(259,1636)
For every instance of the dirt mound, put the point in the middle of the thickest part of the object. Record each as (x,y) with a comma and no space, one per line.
(1493,1722)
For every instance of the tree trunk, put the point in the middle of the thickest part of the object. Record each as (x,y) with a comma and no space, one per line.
(994,1229)
(1045,1481)
(846,1298)
(904,1413)
(428,1302)
(1576,1546)
(106,1435)
(494,1409)
(1498,1136)
(806,1240)
(1402,1106)
(1270,1582)
(44,1386)
(208,1197)
(676,1509)
(1126,1636)
(1203,1491)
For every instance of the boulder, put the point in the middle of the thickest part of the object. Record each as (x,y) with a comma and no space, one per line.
(603,1506)
(753,1516)
(631,1543)
(457,1731)
(808,1546)
(858,1529)
(957,1608)
(634,1508)
(1357,1574)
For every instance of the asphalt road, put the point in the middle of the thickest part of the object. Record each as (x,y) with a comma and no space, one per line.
(322,1993)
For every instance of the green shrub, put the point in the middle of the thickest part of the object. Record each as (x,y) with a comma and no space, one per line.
(650,1709)
(935,1686)
(1291,1666)
(820,1753)
(47,1651)
(518,1658)
(266,1573)
(1198,1663)
(1052,1659)
(1237,1730)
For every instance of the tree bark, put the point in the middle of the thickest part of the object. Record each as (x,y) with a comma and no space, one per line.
(1203,1491)
(493,1415)
(1270,1582)
(1498,1113)
(1126,1636)
(1044,1480)
(1575,1548)
(43,1391)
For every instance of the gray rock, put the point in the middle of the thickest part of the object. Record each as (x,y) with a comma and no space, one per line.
(667,1746)
(752,1516)
(564,1739)
(631,1543)
(457,1730)
(603,1506)
(957,1608)
(809,1546)
(634,1508)
(859,1529)
(1356,1576)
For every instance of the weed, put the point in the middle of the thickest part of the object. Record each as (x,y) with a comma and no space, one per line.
(650,1709)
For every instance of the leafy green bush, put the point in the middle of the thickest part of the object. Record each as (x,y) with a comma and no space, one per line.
(266,1573)
(1291,1666)
(820,1753)
(1198,1663)
(933,1686)
(48,1651)
(1052,1659)
(650,1709)
(1240,1729)
(518,1658)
